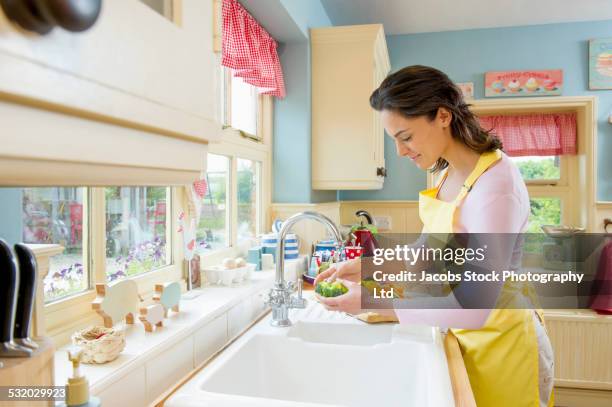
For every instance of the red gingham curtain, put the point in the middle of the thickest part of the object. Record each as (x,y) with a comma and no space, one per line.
(542,134)
(250,51)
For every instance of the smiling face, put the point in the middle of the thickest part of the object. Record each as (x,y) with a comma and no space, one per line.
(422,140)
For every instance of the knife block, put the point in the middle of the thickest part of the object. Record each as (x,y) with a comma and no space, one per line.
(36,370)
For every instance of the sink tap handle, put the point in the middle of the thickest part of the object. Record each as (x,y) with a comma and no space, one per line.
(299,288)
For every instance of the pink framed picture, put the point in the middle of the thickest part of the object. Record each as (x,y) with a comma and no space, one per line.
(524,83)
(467,88)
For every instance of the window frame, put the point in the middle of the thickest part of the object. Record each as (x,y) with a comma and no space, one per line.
(561,188)
(578,190)
(226,110)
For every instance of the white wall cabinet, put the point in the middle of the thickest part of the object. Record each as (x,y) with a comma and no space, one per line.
(138,75)
(348,63)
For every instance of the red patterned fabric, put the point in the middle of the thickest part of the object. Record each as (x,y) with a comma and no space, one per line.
(534,134)
(250,51)
(200,187)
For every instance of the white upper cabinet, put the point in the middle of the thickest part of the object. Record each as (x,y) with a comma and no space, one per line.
(348,63)
(135,70)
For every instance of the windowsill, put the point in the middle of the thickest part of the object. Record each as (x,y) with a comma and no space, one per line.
(142,346)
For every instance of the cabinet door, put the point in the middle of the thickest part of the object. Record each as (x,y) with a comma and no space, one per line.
(346,145)
(134,67)
(168,368)
(209,339)
(127,391)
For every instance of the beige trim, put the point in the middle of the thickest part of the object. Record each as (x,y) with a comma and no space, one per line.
(216,25)
(462,390)
(582,398)
(46,148)
(176,9)
(126,111)
(42,252)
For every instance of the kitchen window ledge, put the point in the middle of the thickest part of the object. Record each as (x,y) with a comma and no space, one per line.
(195,314)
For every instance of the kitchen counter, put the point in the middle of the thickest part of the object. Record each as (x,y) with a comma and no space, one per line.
(219,309)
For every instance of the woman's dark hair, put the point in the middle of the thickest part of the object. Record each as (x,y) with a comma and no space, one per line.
(419,90)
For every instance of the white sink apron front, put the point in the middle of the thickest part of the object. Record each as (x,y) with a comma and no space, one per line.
(326,358)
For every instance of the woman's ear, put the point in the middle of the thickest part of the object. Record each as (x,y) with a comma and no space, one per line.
(444,117)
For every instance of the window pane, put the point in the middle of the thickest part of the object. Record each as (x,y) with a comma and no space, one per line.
(213,229)
(248,177)
(539,168)
(244,106)
(136,224)
(544,211)
(55,215)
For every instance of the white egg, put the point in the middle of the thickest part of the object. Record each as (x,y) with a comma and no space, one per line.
(240,262)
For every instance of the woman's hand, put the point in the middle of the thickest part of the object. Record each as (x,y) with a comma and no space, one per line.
(348,302)
(348,270)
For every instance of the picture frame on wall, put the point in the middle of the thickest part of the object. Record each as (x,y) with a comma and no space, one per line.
(600,64)
(524,83)
(467,88)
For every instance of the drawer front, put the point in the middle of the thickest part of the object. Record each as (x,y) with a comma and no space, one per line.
(128,391)
(209,339)
(238,317)
(165,370)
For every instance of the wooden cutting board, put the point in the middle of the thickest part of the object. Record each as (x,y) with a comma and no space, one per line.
(375,318)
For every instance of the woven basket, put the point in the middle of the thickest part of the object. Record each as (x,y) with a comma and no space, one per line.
(99,344)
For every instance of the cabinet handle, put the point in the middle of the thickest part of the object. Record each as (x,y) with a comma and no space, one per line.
(41,16)
(381,172)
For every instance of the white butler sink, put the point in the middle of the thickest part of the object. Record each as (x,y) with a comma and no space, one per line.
(324,359)
(341,334)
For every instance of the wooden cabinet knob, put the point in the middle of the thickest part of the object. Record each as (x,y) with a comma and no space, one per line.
(41,16)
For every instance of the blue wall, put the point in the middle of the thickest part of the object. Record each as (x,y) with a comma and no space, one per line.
(292,115)
(11,227)
(466,55)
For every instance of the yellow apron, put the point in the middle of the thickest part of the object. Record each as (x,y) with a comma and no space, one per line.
(501,358)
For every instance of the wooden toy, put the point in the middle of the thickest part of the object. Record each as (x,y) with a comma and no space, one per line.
(117,301)
(168,295)
(152,315)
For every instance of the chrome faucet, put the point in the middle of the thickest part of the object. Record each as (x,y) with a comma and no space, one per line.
(280,297)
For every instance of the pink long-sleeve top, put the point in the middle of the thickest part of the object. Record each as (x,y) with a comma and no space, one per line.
(497,203)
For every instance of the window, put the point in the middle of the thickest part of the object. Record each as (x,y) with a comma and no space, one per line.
(546,179)
(213,229)
(136,230)
(57,216)
(231,210)
(248,198)
(238,168)
(242,106)
(536,168)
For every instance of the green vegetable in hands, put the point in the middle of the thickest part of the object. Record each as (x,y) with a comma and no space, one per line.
(334,289)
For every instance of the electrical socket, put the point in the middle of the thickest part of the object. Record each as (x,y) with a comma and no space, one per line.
(382,222)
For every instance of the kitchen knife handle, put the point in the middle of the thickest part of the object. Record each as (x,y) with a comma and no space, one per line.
(27,290)
(9,281)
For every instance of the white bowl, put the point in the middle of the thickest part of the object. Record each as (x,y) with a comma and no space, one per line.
(99,344)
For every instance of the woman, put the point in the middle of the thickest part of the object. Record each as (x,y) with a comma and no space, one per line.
(506,351)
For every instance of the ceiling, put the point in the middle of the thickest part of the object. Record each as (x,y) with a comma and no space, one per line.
(415,16)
